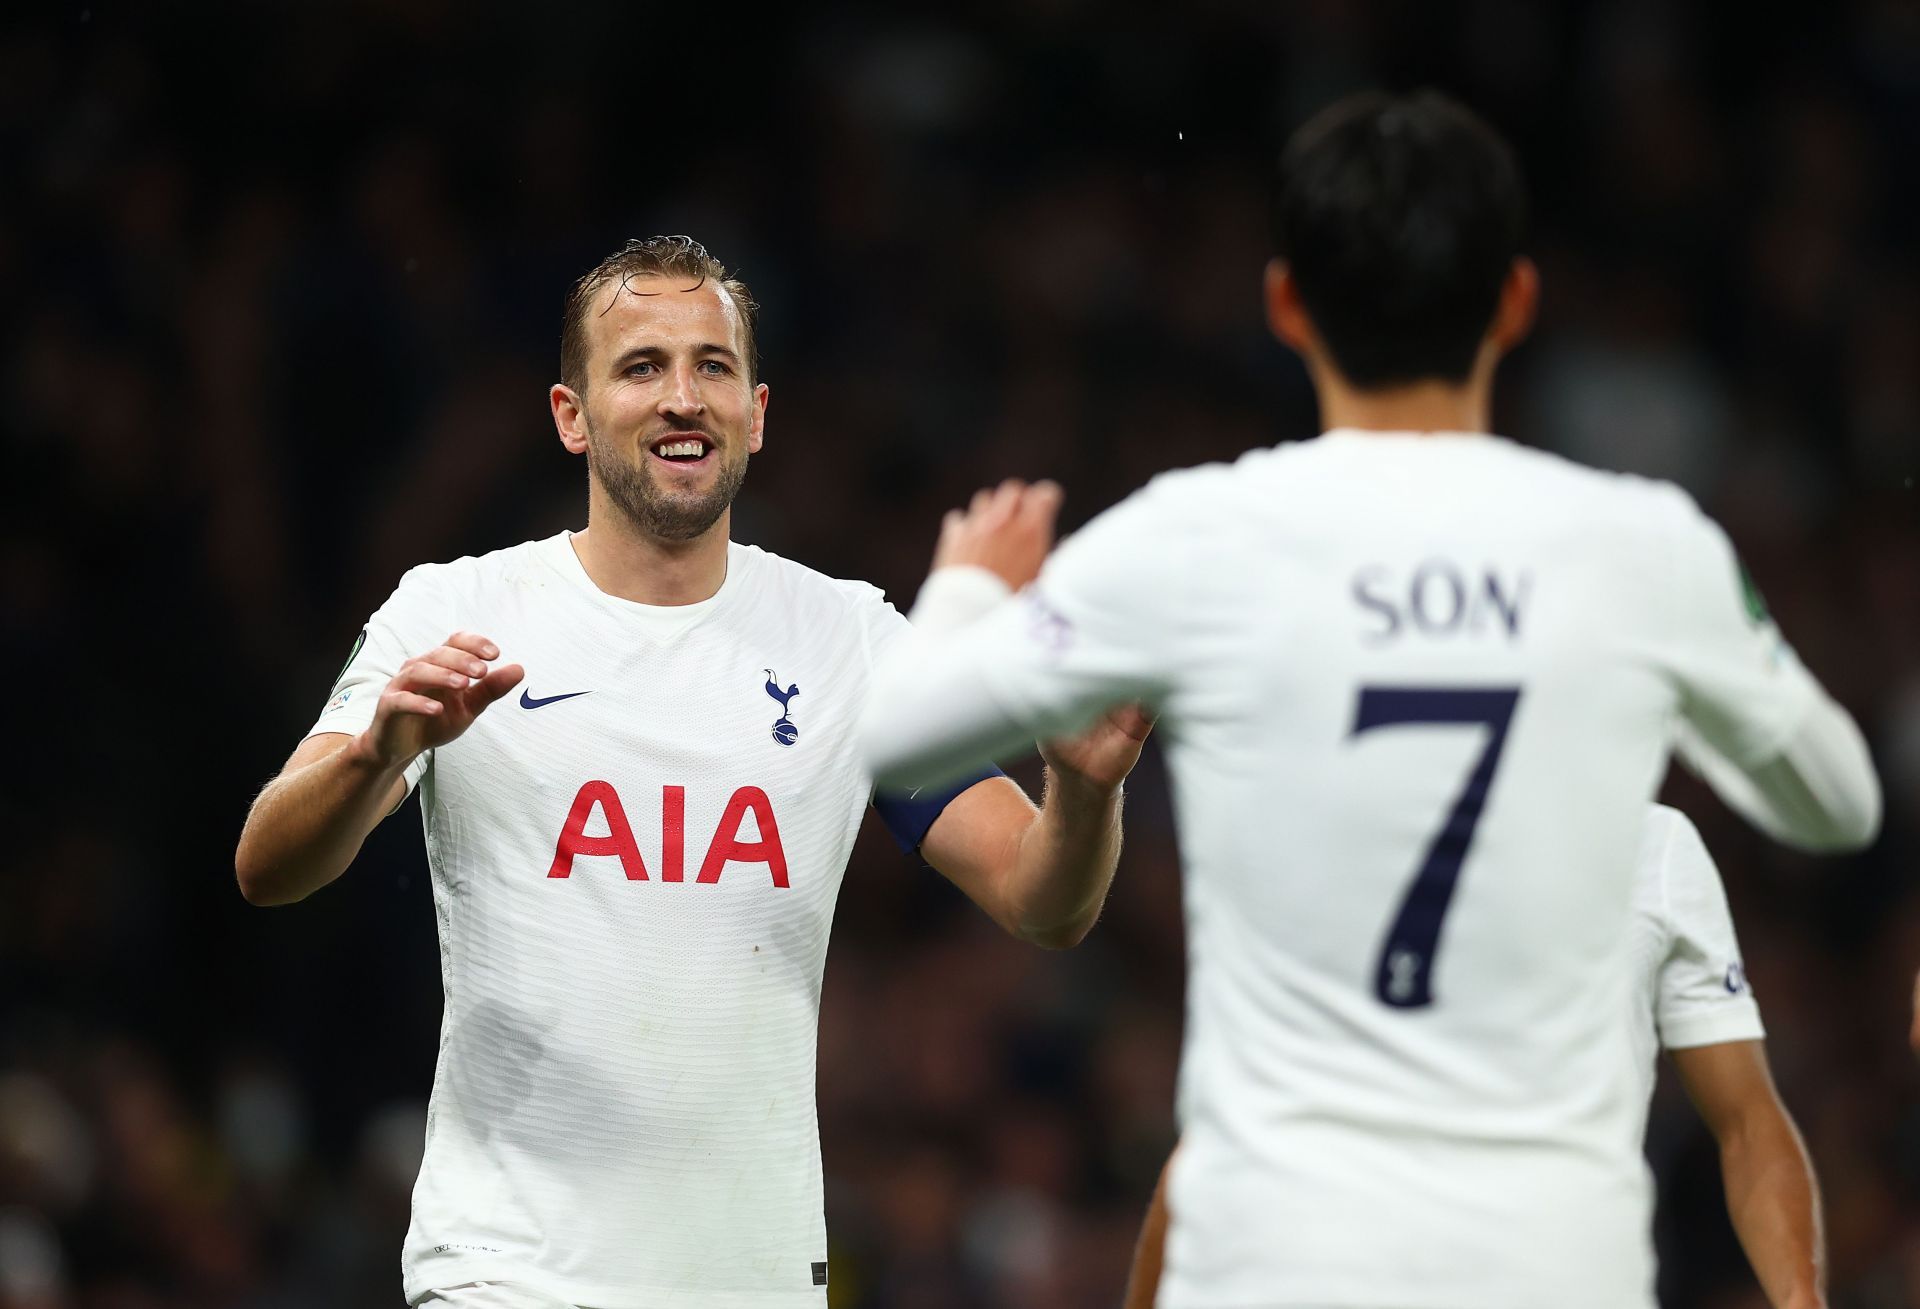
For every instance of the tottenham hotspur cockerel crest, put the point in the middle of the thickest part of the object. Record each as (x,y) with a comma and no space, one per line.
(783,729)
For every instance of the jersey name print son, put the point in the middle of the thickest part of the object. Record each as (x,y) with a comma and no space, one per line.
(634,865)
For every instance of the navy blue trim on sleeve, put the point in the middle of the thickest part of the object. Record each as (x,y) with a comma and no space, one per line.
(910,817)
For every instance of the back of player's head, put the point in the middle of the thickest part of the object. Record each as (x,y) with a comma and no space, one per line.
(653,256)
(1399,218)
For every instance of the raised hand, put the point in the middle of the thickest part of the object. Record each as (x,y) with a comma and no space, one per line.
(436,696)
(1007,531)
(1101,757)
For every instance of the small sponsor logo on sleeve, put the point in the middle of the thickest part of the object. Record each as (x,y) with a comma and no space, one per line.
(1736,979)
(338,701)
(1050,629)
(820,1273)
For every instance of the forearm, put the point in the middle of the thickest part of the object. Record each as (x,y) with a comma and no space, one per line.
(1064,864)
(1819,793)
(310,822)
(1774,1201)
(931,716)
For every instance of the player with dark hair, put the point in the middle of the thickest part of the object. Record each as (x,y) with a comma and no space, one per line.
(1418,685)
(635,862)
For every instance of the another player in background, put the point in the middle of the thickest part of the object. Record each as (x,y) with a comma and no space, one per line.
(1418,685)
(635,863)
(1691,998)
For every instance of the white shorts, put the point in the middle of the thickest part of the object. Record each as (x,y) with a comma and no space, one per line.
(489,1295)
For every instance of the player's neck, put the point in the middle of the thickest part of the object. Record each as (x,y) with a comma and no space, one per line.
(625,562)
(1434,405)
(1421,407)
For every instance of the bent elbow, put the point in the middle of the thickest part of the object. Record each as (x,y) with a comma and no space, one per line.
(257,884)
(253,887)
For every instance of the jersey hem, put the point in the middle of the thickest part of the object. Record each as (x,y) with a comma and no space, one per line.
(1467,1300)
(605,1296)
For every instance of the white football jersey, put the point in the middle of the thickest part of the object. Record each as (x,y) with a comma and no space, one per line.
(1416,692)
(635,857)
(1692,988)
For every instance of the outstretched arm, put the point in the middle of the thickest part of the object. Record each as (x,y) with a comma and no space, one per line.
(987,671)
(1043,874)
(1758,727)
(1772,1195)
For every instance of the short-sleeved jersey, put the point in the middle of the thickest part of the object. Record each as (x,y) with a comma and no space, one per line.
(1692,987)
(635,858)
(1416,692)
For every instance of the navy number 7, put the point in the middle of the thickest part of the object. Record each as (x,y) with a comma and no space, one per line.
(1403,976)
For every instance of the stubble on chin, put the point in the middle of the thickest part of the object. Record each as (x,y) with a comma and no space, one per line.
(653,510)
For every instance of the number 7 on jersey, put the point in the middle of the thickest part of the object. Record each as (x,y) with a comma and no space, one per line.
(1403,976)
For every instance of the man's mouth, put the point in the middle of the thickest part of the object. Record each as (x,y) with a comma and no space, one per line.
(682,449)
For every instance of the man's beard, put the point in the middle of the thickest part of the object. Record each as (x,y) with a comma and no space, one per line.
(664,515)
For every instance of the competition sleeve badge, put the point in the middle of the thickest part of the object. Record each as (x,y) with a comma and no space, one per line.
(1750,596)
(339,696)
(783,729)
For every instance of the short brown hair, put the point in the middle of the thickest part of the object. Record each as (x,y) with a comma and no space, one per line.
(653,256)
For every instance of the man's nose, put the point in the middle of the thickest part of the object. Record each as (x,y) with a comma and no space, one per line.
(682,394)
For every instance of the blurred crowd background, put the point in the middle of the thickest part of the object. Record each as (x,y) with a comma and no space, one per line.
(281,288)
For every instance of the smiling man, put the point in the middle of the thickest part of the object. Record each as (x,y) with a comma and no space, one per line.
(635,861)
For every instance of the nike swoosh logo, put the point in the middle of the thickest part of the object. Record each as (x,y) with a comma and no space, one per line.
(528,702)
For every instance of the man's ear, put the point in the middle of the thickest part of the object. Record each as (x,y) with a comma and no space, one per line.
(756,429)
(1286,315)
(1519,305)
(569,417)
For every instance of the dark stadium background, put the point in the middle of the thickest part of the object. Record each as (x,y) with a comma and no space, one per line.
(279,296)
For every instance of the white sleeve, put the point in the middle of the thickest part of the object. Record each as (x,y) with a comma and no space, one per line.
(1759,729)
(1702,996)
(1086,636)
(411,622)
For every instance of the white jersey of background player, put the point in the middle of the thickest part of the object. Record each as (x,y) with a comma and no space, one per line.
(635,861)
(1418,684)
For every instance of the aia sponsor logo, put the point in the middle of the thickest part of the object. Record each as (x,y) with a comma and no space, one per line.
(726,846)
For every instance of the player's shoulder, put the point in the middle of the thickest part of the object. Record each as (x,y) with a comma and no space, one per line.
(524,562)
(1672,852)
(1639,503)
(823,595)
(465,585)
(1548,477)
(1665,829)
(1320,472)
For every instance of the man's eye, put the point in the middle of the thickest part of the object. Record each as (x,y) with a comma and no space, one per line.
(640,370)
(715,368)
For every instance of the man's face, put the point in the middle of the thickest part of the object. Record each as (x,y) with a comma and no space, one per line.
(669,412)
